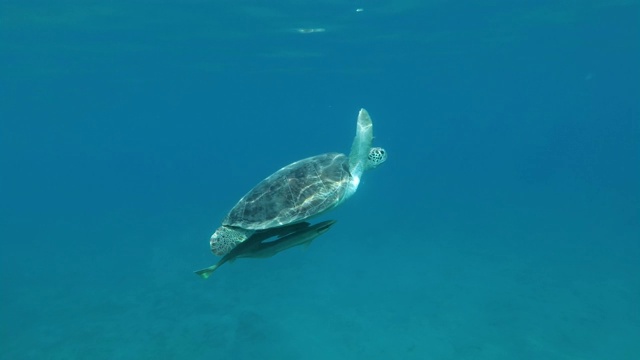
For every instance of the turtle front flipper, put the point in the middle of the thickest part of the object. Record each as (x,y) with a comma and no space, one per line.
(360,147)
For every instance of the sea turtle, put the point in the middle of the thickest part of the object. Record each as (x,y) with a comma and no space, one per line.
(300,190)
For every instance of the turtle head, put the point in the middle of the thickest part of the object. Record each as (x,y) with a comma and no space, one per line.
(377,156)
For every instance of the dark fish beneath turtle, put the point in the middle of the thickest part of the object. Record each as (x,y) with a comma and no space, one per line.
(257,246)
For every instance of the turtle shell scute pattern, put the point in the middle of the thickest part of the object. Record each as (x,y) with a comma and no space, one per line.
(298,191)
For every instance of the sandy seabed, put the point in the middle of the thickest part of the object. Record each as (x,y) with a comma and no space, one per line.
(455,301)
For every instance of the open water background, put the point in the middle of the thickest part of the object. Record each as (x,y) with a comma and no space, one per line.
(505,224)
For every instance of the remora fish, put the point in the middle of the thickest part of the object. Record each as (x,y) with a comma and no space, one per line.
(256,247)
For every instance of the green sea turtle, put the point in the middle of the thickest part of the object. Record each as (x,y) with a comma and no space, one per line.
(301,190)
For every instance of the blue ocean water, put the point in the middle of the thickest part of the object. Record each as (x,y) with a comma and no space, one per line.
(504,225)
